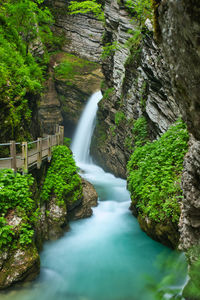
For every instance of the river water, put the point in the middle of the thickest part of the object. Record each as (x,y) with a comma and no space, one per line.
(107,256)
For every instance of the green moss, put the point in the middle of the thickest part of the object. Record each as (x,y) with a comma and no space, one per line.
(157,30)
(155,172)
(72,66)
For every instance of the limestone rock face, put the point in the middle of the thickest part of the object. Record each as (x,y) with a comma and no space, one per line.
(50,108)
(84,210)
(82,32)
(142,86)
(74,93)
(180,26)
(189,225)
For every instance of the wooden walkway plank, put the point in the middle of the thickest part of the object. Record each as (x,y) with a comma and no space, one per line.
(41,149)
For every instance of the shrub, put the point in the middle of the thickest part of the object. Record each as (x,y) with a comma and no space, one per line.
(62,179)
(155,172)
(15,194)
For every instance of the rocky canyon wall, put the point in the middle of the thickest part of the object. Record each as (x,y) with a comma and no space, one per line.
(141,86)
(64,99)
(157,80)
(180,27)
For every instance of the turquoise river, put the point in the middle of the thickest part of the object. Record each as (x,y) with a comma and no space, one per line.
(107,256)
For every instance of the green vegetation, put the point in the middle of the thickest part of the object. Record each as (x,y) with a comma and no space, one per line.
(87,6)
(15,195)
(62,179)
(140,132)
(119,117)
(140,9)
(155,171)
(108,93)
(72,66)
(109,49)
(23,25)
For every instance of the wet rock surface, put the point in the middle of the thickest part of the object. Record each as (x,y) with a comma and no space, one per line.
(82,32)
(142,86)
(21,264)
(189,225)
(90,197)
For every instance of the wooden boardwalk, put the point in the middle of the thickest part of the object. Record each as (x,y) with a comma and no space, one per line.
(32,153)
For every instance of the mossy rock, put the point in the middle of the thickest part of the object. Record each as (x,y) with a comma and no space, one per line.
(164,232)
(22,264)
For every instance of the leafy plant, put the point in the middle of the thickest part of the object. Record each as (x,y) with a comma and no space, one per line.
(26,234)
(15,195)
(6,233)
(119,117)
(154,174)
(23,24)
(62,179)
(87,6)
(141,9)
(15,191)
(109,49)
(140,132)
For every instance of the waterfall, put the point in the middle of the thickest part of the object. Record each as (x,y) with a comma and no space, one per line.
(81,142)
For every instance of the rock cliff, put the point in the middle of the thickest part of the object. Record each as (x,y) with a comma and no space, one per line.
(180,26)
(82,33)
(141,86)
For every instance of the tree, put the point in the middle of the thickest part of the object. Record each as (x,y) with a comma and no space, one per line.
(87,6)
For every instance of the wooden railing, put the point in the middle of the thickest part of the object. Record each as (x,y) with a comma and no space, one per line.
(32,153)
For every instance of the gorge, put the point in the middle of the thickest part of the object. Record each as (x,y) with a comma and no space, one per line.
(106,256)
(147,127)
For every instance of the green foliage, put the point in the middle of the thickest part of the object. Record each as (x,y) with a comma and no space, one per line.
(22,23)
(134,40)
(109,49)
(140,132)
(67,141)
(87,6)
(72,66)
(15,191)
(141,9)
(154,174)
(108,93)
(26,234)
(119,117)
(6,233)
(15,196)
(62,179)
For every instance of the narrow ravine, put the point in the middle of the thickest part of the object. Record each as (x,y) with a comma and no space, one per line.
(105,257)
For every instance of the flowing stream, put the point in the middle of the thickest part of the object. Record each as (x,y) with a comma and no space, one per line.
(107,256)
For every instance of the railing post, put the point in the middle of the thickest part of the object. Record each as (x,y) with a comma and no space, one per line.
(25,157)
(57,128)
(61,135)
(39,152)
(57,138)
(13,156)
(49,140)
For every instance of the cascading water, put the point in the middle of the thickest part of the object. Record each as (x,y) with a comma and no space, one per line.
(105,257)
(81,143)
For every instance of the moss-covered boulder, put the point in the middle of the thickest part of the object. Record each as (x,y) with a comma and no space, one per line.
(18,265)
